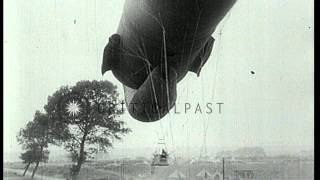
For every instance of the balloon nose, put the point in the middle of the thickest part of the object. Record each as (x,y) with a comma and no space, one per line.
(155,97)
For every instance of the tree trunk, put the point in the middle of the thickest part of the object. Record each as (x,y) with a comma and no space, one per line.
(26,169)
(80,160)
(35,168)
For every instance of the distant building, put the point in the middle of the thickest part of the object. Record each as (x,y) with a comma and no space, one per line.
(243,154)
(244,174)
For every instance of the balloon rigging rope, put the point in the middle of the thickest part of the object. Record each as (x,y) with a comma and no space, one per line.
(218,57)
(149,71)
(167,79)
(206,123)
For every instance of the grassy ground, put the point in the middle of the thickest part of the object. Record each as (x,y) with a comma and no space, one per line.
(59,172)
(7,175)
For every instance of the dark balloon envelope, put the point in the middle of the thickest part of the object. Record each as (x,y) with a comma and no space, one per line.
(156,44)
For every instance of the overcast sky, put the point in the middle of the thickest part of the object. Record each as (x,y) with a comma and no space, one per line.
(52,43)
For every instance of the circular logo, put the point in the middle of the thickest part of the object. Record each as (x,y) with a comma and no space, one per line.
(73,106)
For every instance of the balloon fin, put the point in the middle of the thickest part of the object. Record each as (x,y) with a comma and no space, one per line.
(111,54)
